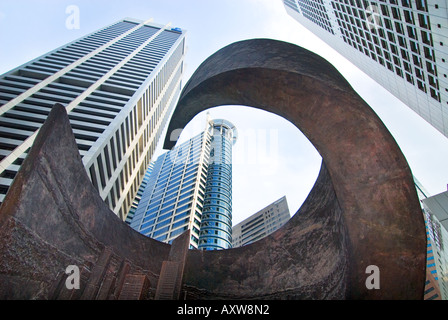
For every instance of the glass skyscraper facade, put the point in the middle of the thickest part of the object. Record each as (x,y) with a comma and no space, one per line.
(216,223)
(119,86)
(173,199)
(401,44)
(190,188)
(139,195)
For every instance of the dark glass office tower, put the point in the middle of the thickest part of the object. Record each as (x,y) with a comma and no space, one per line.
(119,85)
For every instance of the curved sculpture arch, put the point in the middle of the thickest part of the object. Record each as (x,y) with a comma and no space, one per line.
(362,211)
(379,223)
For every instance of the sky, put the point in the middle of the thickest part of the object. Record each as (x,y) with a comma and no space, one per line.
(271,158)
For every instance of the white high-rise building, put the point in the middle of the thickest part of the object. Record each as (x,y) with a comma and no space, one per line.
(261,224)
(119,85)
(401,44)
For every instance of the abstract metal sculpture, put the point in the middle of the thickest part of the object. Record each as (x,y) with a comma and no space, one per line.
(363,210)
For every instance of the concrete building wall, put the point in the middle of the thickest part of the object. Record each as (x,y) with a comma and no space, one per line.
(261,224)
(402,45)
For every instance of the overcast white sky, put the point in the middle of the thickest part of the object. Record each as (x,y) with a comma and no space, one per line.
(272,158)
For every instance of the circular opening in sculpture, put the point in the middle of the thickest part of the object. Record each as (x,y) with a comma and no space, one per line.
(270,159)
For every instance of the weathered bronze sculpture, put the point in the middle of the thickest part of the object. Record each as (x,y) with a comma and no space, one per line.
(363,211)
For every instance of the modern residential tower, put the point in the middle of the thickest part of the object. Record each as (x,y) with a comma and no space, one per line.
(119,86)
(190,188)
(401,44)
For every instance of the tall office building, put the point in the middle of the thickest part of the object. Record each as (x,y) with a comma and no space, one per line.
(261,224)
(432,290)
(401,44)
(190,188)
(216,223)
(119,86)
(139,194)
(435,209)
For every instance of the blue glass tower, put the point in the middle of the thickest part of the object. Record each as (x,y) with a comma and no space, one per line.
(173,199)
(140,191)
(190,188)
(216,223)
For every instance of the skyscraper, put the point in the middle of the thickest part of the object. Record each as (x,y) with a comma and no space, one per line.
(261,223)
(401,44)
(139,194)
(174,195)
(432,291)
(216,223)
(190,188)
(118,84)
(436,215)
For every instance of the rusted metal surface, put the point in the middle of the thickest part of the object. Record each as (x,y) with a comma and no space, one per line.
(169,286)
(135,287)
(53,217)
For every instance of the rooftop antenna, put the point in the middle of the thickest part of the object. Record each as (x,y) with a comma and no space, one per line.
(208,119)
